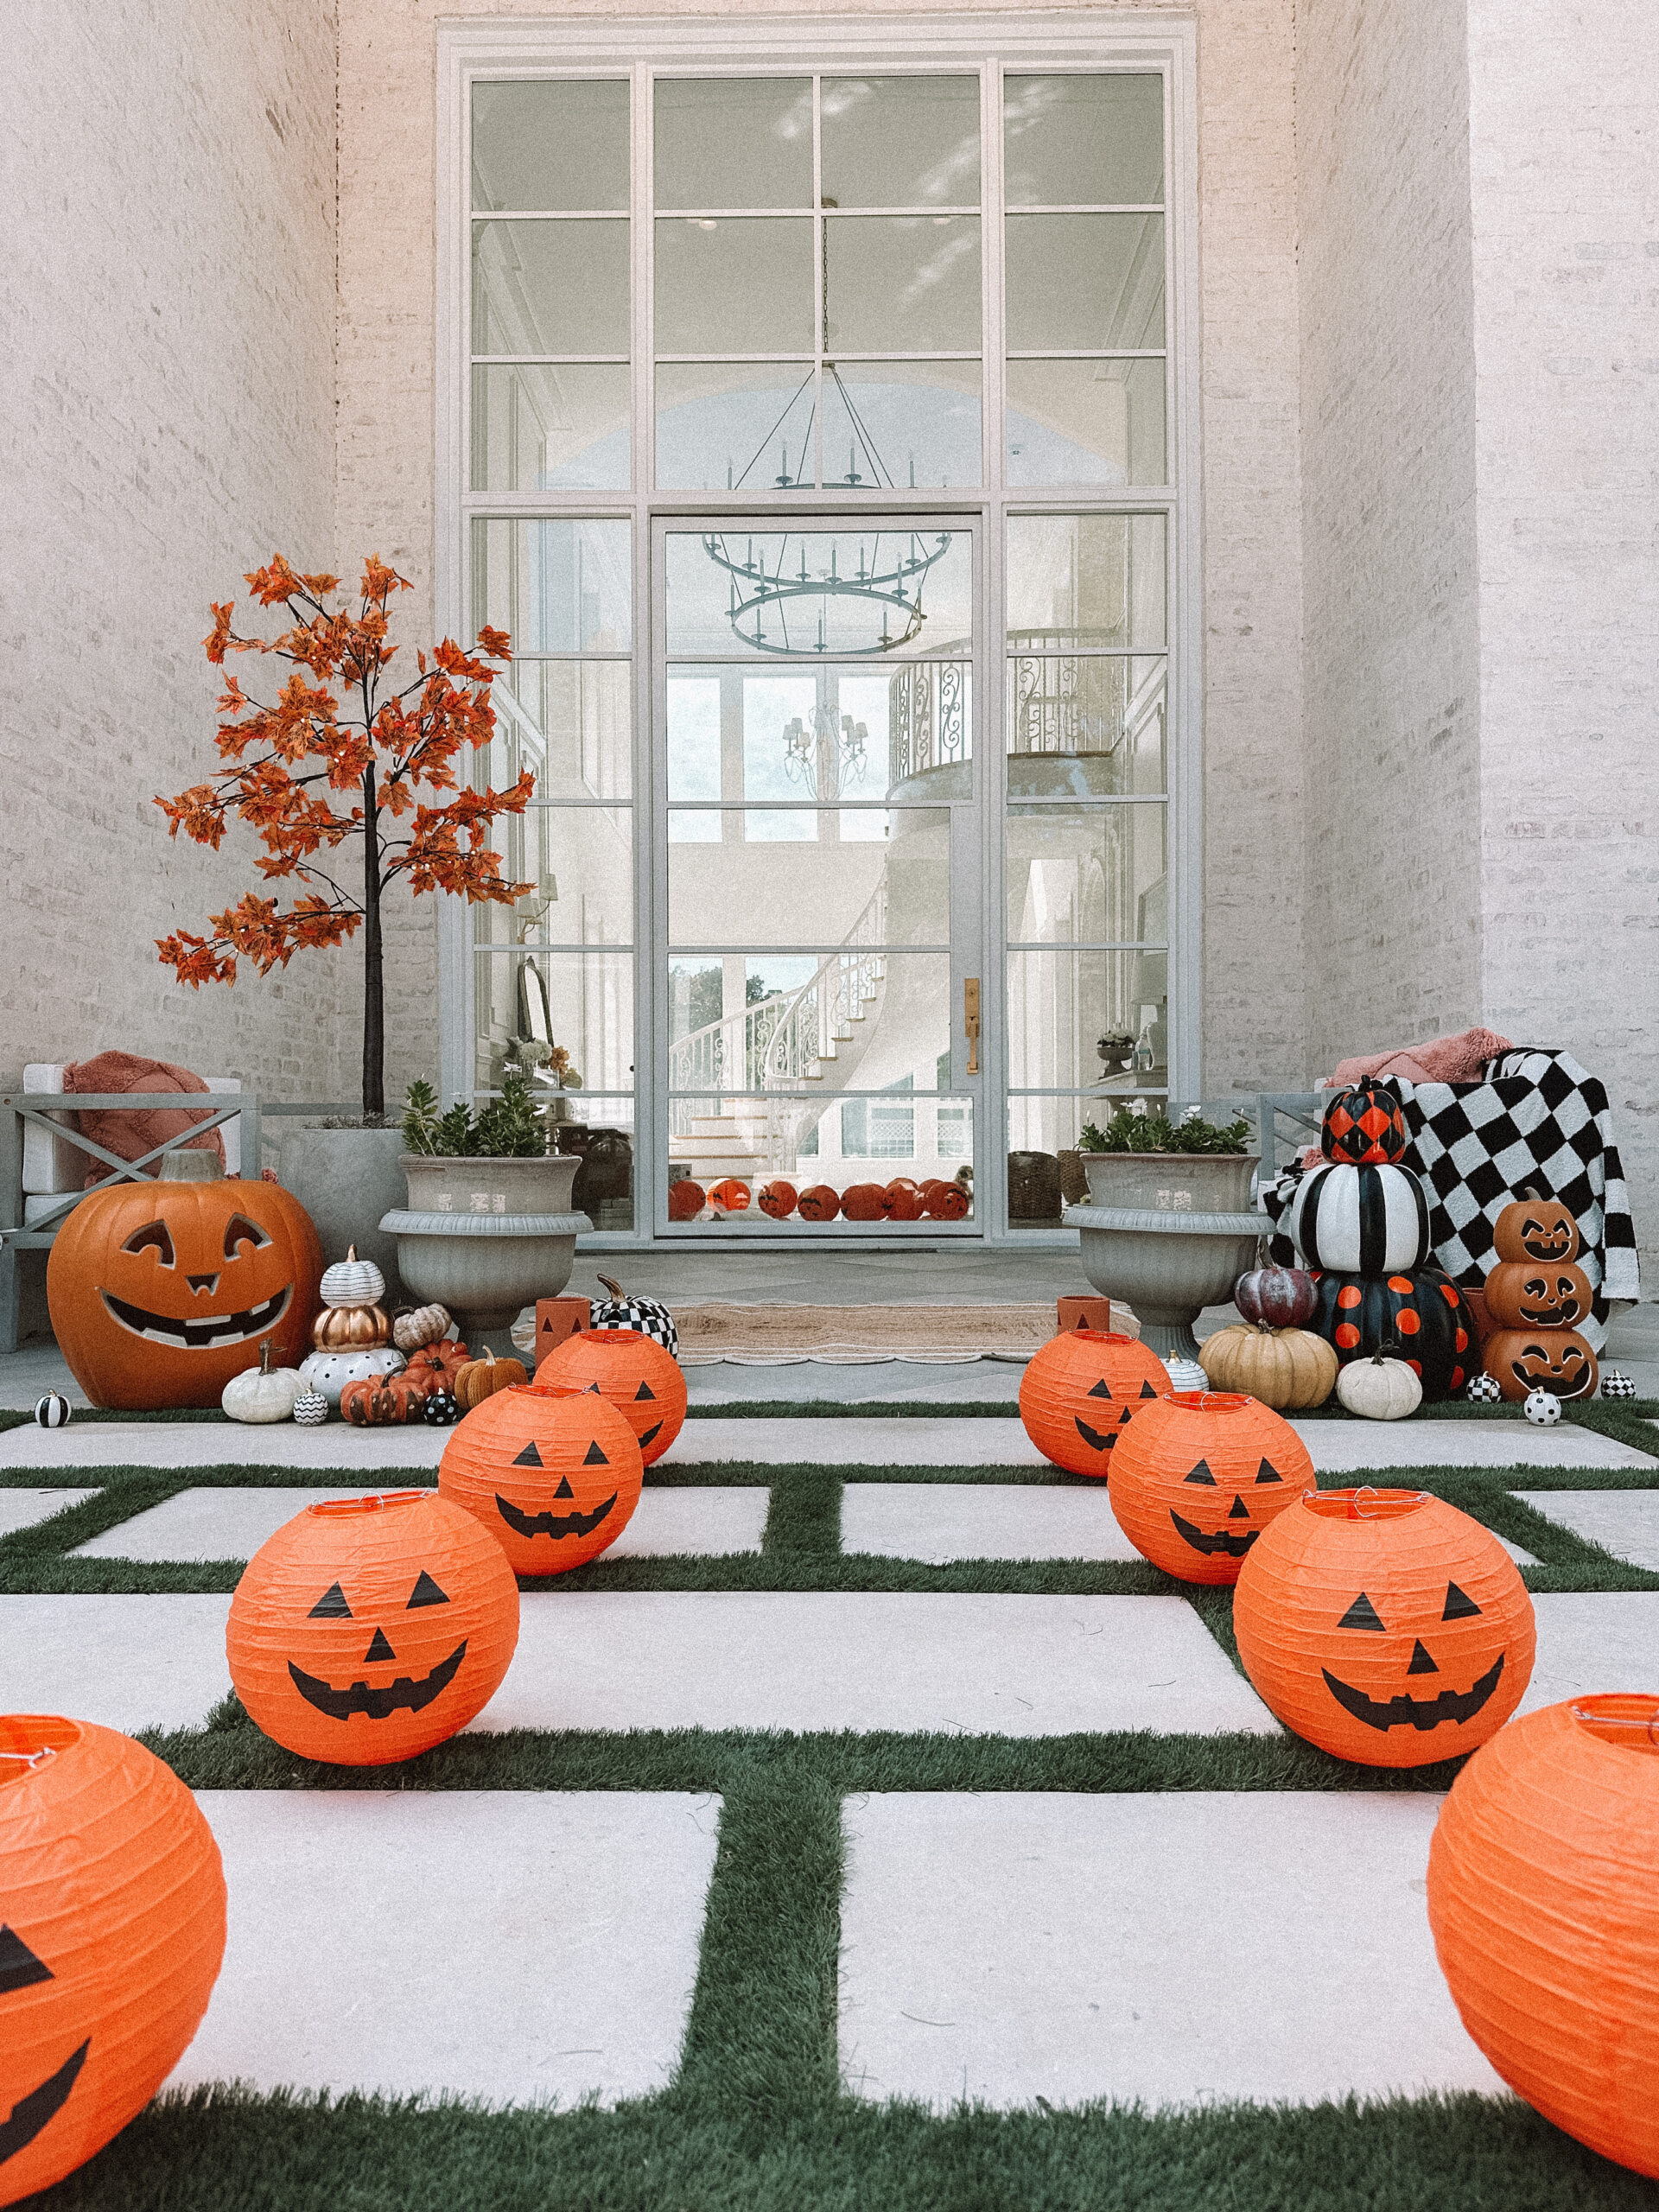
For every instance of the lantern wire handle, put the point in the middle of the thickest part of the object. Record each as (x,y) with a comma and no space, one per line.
(29,1759)
(1640,1729)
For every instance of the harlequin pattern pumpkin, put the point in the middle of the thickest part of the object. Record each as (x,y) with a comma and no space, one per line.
(1483,1390)
(821,1203)
(1536,1228)
(1286,1369)
(1199,1476)
(686,1199)
(1542,1359)
(1280,1298)
(1424,1316)
(554,1474)
(368,1629)
(111,1934)
(901,1200)
(947,1202)
(1364,1124)
(1543,1899)
(1384,1626)
(159,1292)
(1613,1385)
(729,1196)
(623,1310)
(1359,1221)
(862,1201)
(642,1381)
(1080,1389)
(1535,1294)
(778,1200)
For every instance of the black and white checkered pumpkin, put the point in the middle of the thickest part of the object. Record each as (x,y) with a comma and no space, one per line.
(1615,1385)
(1484,1390)
(648,1316)
(52,1410)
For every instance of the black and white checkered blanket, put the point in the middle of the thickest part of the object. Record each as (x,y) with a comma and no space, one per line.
(1536,1118)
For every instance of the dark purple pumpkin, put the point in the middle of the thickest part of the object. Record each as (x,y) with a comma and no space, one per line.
(1363,1125)
(1422,1318)
(1279,1297)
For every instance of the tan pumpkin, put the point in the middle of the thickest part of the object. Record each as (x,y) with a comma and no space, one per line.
(1286,1369)
(423,1327)
(482,1378)
(372,1403)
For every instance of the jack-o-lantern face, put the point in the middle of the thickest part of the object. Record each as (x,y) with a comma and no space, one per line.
(369,1628)
(639,1377)
(1538,1294)
(160,1292)
(1080,1389)
(552,1472)
(1385,1626)
(1198,1477)
(21,1969)
(1536,1229)
(1556,1360)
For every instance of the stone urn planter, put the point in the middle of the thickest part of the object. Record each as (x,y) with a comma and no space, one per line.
(486,1237)
(1168,1233)
(346,1180)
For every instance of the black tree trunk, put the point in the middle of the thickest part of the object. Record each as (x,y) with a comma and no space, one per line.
(374,993)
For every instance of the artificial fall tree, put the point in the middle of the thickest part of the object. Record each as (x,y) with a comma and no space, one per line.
(338,728)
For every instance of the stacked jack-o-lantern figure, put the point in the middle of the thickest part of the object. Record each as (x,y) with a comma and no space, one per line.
(1535,1297)
(1360,1220)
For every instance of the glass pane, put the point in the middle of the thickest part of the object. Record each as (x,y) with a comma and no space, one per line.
(1093,724)
(734,141)
(599,1131)
(789,876)
(740,285)
(1078,1019)
(902,283)
(550,428)
(824,733)
(1086,422)
(570,722)
(550,287)
(1087,580)
(852,592)
(902,423)
(901,1136)
(1071,141)
(580,861)
(547,144)
(929,711)
(554,587)
(1086,875)
(900,142)
(857,1018)
(1085,280)
(722,425)
(579,1002)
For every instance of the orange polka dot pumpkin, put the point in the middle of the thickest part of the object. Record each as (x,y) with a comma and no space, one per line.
(1424,1314)
(554,1474)
(642,1381)
(1199,1477)
(112,1933)
(1384,1626)
(1080,1389)
(369,1628)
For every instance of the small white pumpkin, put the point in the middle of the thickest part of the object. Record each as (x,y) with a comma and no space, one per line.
(262,1392)
(423,1327)
(1379,1388)
(330,1372)
(352,1282)
(310,1409)
(1542,1407)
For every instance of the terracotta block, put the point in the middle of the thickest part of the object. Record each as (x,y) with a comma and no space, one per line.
(1083,1313)
(556,1320)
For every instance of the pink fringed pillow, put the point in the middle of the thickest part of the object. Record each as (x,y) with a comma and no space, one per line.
(131,1133)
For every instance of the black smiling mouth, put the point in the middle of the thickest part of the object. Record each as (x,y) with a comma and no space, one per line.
(30,2113)
(1232,1544)
(1567,1385)
(401,1696)
(1546,1245)
(203,1335)
(1421,1713)
(552,1524)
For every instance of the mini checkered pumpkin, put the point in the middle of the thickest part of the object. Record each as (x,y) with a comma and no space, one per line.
(1484,1390)
(1363,1125)
(1615,1385)
(646,1317)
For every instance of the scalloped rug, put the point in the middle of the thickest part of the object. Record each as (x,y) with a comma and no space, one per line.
(851,1336)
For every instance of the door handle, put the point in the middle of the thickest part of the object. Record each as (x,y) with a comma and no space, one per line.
(970,1020)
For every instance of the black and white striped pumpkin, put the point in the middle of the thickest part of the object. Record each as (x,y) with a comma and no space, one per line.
(1360,1221)
(52,1410)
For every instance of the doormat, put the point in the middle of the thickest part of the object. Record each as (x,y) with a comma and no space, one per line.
(853,1336)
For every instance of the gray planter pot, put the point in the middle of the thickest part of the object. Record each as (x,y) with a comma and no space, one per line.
(1170,1182)
(346,1180)
(1168,1233)
(486,1267)
(540,1184)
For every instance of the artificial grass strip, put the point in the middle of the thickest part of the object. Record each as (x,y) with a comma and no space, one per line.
(854,1409)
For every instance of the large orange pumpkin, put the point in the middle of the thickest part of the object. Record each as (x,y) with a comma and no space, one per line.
(369,1628)
(1384,1626)
(1558,1360)
(642,1381)
(1543,1897)
(553,1473)
(1532,1295)
(1079,1389)
(160,1292)
(111,1933)
(1199,1477)
(1536,1228)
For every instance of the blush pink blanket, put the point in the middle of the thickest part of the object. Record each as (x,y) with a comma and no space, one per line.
(1461,1058)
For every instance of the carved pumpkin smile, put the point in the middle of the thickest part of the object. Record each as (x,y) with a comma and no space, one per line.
(1547,1241)
(206,1330)
(21,1969)
(1562,1367)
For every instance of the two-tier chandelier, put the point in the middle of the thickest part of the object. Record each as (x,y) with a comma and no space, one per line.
(794,604)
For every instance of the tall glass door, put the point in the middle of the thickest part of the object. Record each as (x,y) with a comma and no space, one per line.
(818,917)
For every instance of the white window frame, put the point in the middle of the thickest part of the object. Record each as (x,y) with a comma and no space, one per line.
(640,49)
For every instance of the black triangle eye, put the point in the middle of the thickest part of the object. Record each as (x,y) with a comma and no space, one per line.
(426,1592)
(530,1457)
(153,1237)
(595,1458)
(1147,1390)
(332,1606)
(1266,1472)
(1201,1474)
(645,1391)
(1100,1389)
(1460,1606)
(19,1968)
(1363,1614)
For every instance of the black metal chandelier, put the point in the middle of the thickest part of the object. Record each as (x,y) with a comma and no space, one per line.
(890,577)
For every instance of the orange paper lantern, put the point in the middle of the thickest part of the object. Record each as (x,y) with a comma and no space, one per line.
(862,1201)
(1199,1477)
(778,1200)
(1079,1389)
(902,1200)
(642,1381)
(948,1203)
(729,1196)
(685,1199)
(554,1474)
(111,1933)
(1385,1626)
(368,1629)
(1543,1898)
(821,1203)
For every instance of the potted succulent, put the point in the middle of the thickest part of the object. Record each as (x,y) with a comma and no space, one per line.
(1167,1228)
